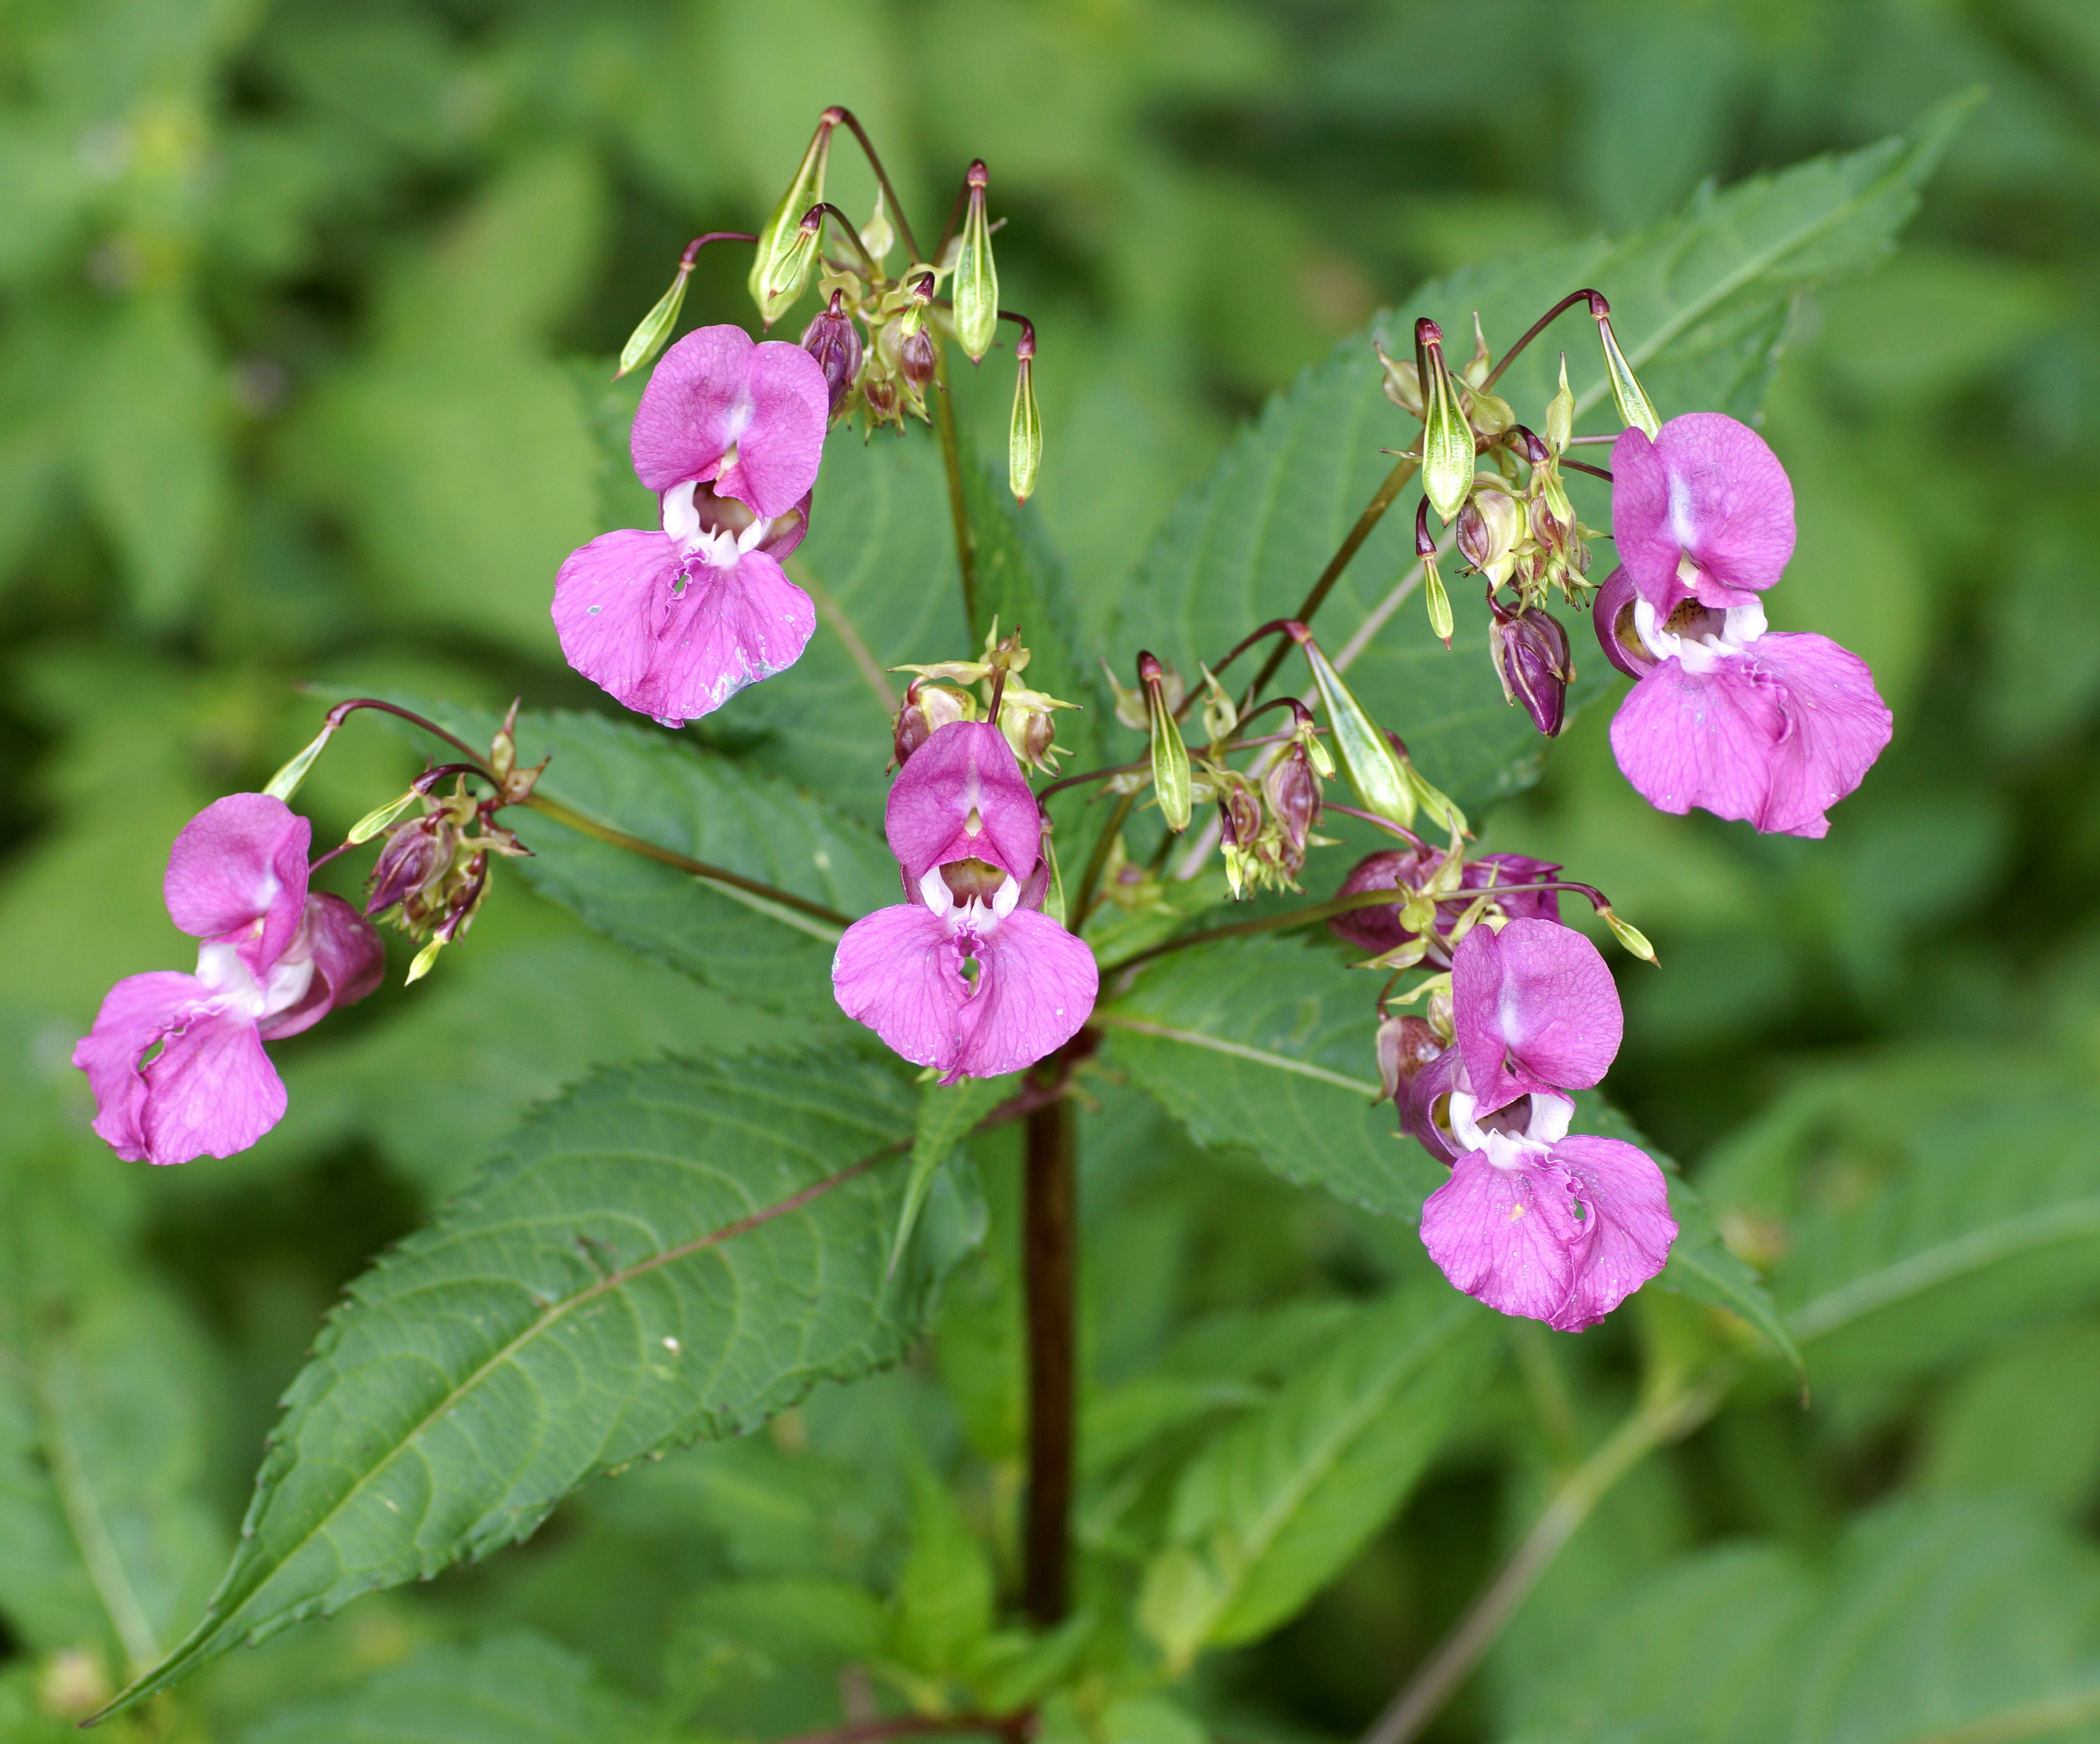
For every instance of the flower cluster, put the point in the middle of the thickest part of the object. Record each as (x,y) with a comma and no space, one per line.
(176,1061)
(1745,722)
(1534,1221)
(969,977)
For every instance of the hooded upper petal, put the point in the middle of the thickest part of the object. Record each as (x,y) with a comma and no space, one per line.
(241,861)
(1036,985)
(1564,1237)
(209,1090)
(1709,493)
(899,971)
(672,637)
(1775,736)
(1534,1008)
(962,796)
(348,960)
(749,417)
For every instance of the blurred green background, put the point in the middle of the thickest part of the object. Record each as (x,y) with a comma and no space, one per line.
(304,313)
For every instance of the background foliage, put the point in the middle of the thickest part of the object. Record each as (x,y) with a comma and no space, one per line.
(303,309)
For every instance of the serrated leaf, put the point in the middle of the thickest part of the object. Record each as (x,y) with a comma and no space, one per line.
(514,1689)
(1701,303)
(1274,1507)
(669,791)
(1989,1218)
(944,1595)
(672,1253)
(1265,1044)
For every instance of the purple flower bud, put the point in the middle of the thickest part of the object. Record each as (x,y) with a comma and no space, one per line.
(916,356)
(879,395)
(1377,930)
(418,856)
(1427,1072)
(1239,818)
(834,341)
(1293,792)
(1535,664)
(927,708)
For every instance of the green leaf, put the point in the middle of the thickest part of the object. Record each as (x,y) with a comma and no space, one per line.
(1265,1044)
(1701,304)
(1990,1218)
(672,1253)
(1702,1265)
(1973,1620)
(944,1595)
(638,780)
(1272,1510)
(946,1113)
(514,1689)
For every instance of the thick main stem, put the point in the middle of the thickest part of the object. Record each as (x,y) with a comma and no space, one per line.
(1051,1239)
(1395,482)
(1652,1427)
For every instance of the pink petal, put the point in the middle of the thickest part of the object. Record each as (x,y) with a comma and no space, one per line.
(1509,1237)
(1837,724)
(899,972)
(1535,1009)
(1036,985)
(349,963)
(1774,736)
(715,391)
(673,653)
(1708,488)
(777,459)
(1611,615)
(1627,1199)
(241,859)
(963,796)
(210,1091)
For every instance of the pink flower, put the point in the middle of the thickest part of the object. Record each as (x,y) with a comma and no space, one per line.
(1765,725)
(673,624)
(1377,930)
(970,976)
(1536,1223)
(902,972)
(176,1061)
(1534,1008)
(1704,511)
(1533,1221)
(963,796)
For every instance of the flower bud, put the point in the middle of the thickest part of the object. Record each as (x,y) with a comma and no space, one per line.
(1293,793)
(1170,755)
(1380,930)
(1024,441)
(917,359)
(975,289)
(1560,413)
(1488,528)
(834,341)
(415,861)
(1220,715)
(1635,407)
(1533,659)
(784,255)
(1406,1045)
(927,708)
(1447,440)
(878,236)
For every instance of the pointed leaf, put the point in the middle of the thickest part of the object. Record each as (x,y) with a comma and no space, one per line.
(946,1113)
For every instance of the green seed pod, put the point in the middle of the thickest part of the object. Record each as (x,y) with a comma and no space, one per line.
(1635,407)
(775,281)
(1447,439)
(1170,755)
(1024,445)
(1368,762)
(648,338)
(975,288)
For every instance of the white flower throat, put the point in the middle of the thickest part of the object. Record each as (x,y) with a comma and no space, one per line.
(720,546)
(1701,643)
(1547,1125)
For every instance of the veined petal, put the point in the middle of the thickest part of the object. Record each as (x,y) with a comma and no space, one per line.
(899,972)
(1036,985)
(210,1091)
(1508,1236)
(241,860)
(1626,1202)
(719,407)
(1534,1008)
(962,796)
(1837,724)
(1708,489)
(670,650)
